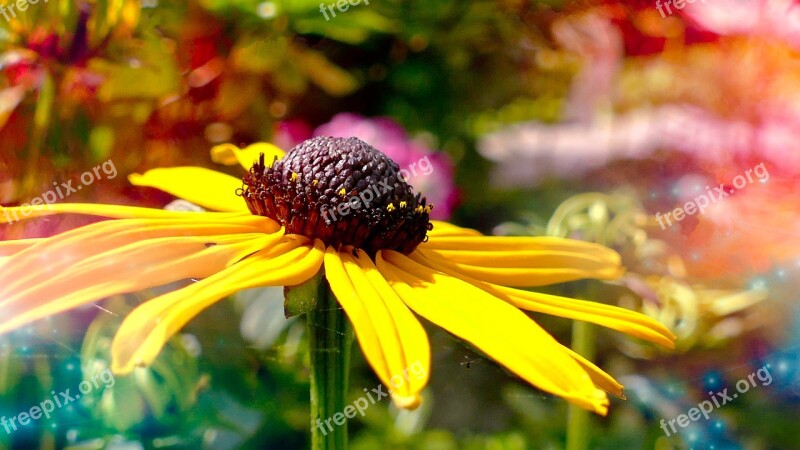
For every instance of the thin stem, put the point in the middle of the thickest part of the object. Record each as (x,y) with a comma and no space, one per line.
(330,339)
(41,121)
(578,419)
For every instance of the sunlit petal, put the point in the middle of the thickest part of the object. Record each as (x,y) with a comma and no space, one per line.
(211,190)
(11,214)
(620,319)
(53,256)
(510,243)
(128,268)
(493,326)
(391,338)
(600,378)
(8,248)
(229,154)
(441,229)
(145,331)
(525,261)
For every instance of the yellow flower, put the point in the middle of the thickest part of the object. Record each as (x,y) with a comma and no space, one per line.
(381,265)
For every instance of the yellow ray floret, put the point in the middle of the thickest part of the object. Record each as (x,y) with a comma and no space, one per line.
(55,275)
(515,340)
(145,331)
(217,193)
(391,338)
(229,154)
(525,261)
(613,317)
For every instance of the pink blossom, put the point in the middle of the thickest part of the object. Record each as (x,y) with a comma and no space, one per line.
(765,18)
(529,152)
(290,133)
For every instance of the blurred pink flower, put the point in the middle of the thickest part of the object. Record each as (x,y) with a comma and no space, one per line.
(755,18)
(753,231)
(703,111)
(290,133)
(531,151)
(599,44)
(430,172)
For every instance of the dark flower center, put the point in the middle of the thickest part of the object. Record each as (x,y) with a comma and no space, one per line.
(342,191)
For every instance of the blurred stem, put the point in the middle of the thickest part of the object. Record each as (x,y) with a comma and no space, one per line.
(578,419)
(329,338)
(41,121)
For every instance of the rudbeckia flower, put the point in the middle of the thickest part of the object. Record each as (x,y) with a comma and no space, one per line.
(295,214)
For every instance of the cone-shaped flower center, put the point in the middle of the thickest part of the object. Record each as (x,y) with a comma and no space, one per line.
(342,191)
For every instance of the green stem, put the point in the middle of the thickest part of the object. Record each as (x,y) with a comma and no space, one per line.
(329,338)
(578,419)
(41,121)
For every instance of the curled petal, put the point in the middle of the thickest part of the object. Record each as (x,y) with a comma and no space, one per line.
(229,154)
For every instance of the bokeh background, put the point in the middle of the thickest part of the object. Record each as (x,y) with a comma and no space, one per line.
(580,119)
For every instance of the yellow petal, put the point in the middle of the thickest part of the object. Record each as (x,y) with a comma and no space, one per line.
(211,190)
(616,318)
(506,243)
(16,213)
(57,254)
(8,248)
(229,154)
(441,229)
(148,264)
(391,338)
(600,378)
(525,261)
(130,268)
(609,316)
(144,332)
(493,326)
(586,261)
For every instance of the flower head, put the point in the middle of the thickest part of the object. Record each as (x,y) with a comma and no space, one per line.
(382,263)
(428,171)
(301,190)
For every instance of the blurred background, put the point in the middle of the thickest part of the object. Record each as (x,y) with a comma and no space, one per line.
(588,119)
